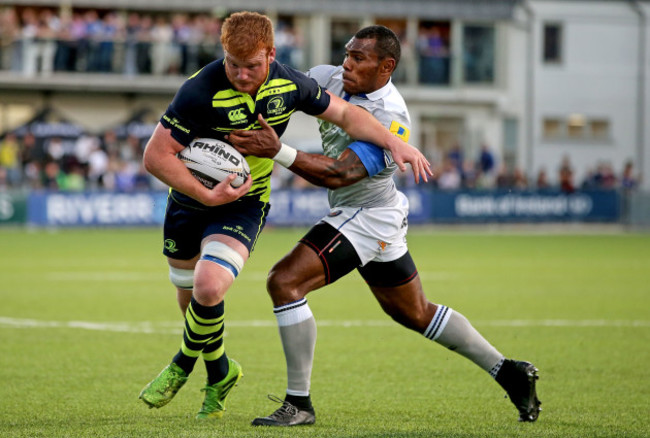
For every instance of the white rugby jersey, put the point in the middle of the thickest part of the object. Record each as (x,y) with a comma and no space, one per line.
(388,106)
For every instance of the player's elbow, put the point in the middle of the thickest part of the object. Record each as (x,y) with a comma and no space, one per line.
(149,160)
(340,175)
(336,182)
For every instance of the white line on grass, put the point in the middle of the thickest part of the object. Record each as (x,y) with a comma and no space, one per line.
(124,276)
(176,326)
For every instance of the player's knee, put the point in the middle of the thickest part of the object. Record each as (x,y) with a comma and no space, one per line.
(281,285)
(414,317)
(224,256)
(211,288)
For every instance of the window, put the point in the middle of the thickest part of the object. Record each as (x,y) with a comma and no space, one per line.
(552,40)
(599,129)
(342,32)
(576,127)
(553,128)
(434,52)
(478,54)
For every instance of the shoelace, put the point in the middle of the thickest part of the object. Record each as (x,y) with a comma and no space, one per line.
(210,402)
(287,410)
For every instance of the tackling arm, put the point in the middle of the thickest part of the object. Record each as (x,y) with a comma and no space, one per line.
(317,169)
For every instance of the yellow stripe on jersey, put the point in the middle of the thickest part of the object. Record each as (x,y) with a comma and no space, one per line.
(229,98)
(276,86)
(400,130)
(261,166)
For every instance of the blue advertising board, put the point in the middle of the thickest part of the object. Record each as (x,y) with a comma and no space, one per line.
(96,209)
(508,206)
(306,207)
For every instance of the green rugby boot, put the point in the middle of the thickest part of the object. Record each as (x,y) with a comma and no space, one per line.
(214,403)
(163,388)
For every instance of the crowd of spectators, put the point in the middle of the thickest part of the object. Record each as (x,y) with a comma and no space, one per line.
(107,162)
(42,41)
(485,172)
(87,163)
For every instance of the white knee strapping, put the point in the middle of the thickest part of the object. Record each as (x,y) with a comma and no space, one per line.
(182,278)
(223,255)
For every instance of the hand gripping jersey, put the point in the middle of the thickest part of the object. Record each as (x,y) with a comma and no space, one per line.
(208,105)
(387,105)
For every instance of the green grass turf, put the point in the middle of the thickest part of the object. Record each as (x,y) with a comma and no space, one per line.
(87,318)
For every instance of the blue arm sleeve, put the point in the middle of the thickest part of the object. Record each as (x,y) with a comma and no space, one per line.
(373,157)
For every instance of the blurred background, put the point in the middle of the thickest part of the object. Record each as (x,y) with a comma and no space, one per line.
(530,111)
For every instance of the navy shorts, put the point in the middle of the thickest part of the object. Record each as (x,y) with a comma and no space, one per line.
(186,226)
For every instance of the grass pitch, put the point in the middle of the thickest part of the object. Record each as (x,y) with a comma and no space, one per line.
(88,317)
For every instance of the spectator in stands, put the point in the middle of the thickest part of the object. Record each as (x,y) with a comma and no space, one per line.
(28,35)
(629,180)
(434,56)
(565,175)
(66,46)
(10,51)
(10,159)
(505,179)
(450,178)
(486,159)
(131,30)
(285,43)
(93,36)
(32,158)
(55,149)
(97,166)
(73,180)
(519,179)
(108,33)
(51,176)
(541,183)
(143,45)
(161,37)
(456,156)
(469,175)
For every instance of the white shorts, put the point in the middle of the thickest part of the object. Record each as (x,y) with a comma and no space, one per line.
(377,234)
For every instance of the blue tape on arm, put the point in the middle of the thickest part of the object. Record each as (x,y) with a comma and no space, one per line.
(370,155)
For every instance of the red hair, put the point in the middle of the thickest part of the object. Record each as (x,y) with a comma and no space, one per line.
(245,33)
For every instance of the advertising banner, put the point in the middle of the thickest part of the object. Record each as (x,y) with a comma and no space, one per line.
(306,207)
(96,209)
(601,206)
(13,208)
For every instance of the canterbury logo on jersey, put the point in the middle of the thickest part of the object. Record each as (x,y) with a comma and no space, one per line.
(237,116)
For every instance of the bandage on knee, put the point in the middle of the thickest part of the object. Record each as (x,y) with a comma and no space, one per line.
(182,278)
(223,255)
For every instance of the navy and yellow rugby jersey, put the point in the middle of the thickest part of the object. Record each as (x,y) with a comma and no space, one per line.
(208,105)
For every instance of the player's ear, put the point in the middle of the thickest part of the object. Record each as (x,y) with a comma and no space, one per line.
(272,55)
(387,66)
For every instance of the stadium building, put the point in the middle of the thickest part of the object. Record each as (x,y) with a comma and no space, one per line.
(540,84)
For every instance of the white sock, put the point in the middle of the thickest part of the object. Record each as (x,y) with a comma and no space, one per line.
(452,330)
(297,328)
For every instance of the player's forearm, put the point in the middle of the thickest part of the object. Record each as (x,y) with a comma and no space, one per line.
(362,125)
(160,161)
(327,172)
(173,172)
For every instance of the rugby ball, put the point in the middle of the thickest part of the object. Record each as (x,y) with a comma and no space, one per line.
(211,161)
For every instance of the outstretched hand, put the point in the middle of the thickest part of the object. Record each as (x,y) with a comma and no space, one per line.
(409,154)
(263,143)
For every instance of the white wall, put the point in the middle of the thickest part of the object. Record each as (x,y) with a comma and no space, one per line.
(597,78)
